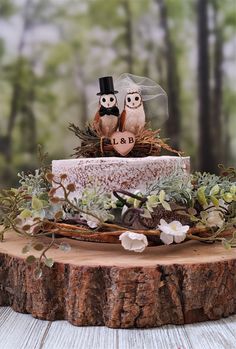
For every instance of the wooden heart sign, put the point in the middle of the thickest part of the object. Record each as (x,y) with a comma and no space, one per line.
(123,142)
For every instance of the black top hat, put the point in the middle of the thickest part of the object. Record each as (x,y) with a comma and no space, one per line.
(106,86)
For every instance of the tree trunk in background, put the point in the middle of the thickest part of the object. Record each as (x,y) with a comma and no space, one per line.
(226,140)
(81,84)
(17,88)
(14,109)
(217,97)
(29,130)
(206,160)
(173,125)
(128,34)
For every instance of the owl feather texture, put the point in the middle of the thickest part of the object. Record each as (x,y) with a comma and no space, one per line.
(133,116)
(107,117)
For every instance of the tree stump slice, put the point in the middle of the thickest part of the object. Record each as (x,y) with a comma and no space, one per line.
(102,284)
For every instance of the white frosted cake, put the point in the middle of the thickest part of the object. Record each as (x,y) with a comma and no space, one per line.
(115,173)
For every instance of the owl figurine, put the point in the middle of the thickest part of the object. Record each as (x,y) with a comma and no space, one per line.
(106,119)
(133,116)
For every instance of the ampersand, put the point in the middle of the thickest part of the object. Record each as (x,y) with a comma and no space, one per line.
(122,141)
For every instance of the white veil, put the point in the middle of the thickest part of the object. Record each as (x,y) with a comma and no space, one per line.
(154,98)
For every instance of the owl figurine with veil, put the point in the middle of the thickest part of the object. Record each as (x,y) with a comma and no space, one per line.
(140,98)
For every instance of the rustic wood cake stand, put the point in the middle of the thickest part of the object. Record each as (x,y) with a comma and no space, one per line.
(102,284)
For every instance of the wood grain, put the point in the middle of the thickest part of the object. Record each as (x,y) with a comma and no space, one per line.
(20,332)
(61,335)
(100,284)
(79,337)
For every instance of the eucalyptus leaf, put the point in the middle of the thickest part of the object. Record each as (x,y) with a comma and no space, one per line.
(38,273)
(226,244)
(26,249)
(38,247)
(64,247)
(49,262)
(30,259)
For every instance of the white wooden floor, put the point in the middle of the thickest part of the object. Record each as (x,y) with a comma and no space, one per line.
(18,331)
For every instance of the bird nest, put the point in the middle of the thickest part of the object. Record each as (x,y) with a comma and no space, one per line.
(148,143)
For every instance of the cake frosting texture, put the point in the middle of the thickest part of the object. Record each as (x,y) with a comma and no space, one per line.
(114,173)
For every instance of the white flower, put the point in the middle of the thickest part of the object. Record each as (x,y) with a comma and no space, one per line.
(172,232)
(133,241)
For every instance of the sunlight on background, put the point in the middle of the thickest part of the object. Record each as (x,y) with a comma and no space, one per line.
(53,51)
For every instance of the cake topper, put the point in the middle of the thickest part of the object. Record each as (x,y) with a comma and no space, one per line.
(133,116)
(140,97)
(141,101)
(107,116)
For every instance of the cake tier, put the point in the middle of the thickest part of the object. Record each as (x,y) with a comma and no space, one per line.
(113,173)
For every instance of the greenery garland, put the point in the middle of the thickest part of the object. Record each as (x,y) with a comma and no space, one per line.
(206,202)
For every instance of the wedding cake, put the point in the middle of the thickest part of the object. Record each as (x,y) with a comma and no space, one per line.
(123,134)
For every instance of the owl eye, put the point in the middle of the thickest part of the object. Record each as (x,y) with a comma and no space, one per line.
(129,99)
(103,99)
(136,98)
(111,99)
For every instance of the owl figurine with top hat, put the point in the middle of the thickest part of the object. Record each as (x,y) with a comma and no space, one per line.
(106,119)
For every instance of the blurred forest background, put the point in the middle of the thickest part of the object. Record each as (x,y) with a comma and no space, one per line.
(53,51)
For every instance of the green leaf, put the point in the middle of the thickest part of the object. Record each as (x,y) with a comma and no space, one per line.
(30,259)
(201,196)
(153,200)
(149,208)
(192,211)
(215,190)
(228,197)
(25,213)
(146,214)
(162,196)
(166,206)
(233,189)
(215,201)
(38,247)
(194,219)
(136,203)
(49,262)
(226,244)
(26,249)
(37,204)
